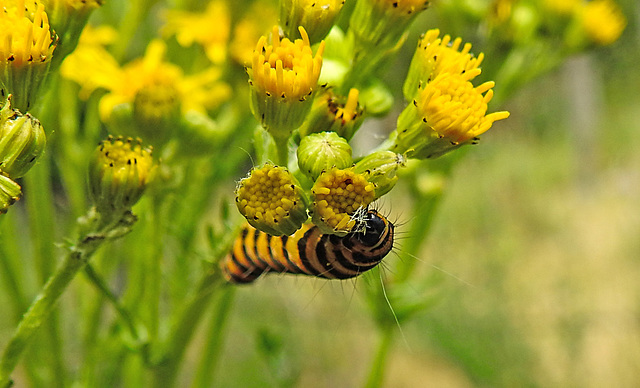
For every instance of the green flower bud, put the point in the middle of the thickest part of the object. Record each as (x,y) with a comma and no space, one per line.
(271,199)
(381,168)
(321,151)
(316,16)
(10,192)
(379,24)
(68,19)
(22,141)
(119,172)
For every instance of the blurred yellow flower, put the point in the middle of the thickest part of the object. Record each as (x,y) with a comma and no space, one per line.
(603,21)
(209,29)
(563,7)
(259,18)
(93,67)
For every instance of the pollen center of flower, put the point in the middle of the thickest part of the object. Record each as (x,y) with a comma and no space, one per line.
(338,195)
(156,101)
(268,194)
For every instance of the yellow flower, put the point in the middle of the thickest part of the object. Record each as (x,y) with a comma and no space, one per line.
(119,172)
(283,77)
(209,29)
(93,67)
(338,197)
(603,21)
(435,56)
(26,49)
(271,200)
(287,69)
(260,17)
(562,7)
(447,113)
(334,113)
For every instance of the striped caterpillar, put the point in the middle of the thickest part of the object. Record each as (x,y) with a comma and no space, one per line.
(310,252)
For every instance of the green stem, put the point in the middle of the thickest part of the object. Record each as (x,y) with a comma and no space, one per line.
(43,305)
(165,373)
(282,148)
(124,314)
(209,359)
(41,222)
(376,373)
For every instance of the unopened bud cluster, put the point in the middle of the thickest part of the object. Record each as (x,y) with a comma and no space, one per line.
(22,141)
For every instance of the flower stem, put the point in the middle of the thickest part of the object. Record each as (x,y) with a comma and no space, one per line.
(100,284)
(376,372)
(43,305)
(165,373)
(211,355)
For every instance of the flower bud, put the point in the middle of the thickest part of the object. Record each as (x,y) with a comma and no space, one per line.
(381,167)
(68,19)
(379,24)
(22,141)
(321,151)
(10,192)
(271,199)
(315,16)
(119,172)
(336,114)
(337,197)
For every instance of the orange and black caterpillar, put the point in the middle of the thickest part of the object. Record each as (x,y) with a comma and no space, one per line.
(310,252)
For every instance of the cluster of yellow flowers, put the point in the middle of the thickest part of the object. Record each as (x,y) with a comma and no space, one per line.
(311,86)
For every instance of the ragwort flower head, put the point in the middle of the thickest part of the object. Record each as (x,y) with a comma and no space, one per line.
(26,49)
(119,173)
(283,77)
(447,113)
(436,55)
(602,21)
(153,89)
(271,200)
(338,197)
(334,113)
(209,29)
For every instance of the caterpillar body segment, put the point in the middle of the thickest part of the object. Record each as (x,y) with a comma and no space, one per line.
(310,252)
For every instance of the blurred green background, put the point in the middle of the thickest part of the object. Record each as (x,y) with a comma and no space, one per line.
(536,252)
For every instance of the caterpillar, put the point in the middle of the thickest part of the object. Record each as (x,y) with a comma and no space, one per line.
(309,251)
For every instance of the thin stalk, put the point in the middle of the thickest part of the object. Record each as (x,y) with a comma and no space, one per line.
(41,224)
(169,361)
(376,372)
(41,308)
(210,357)
(103,288)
